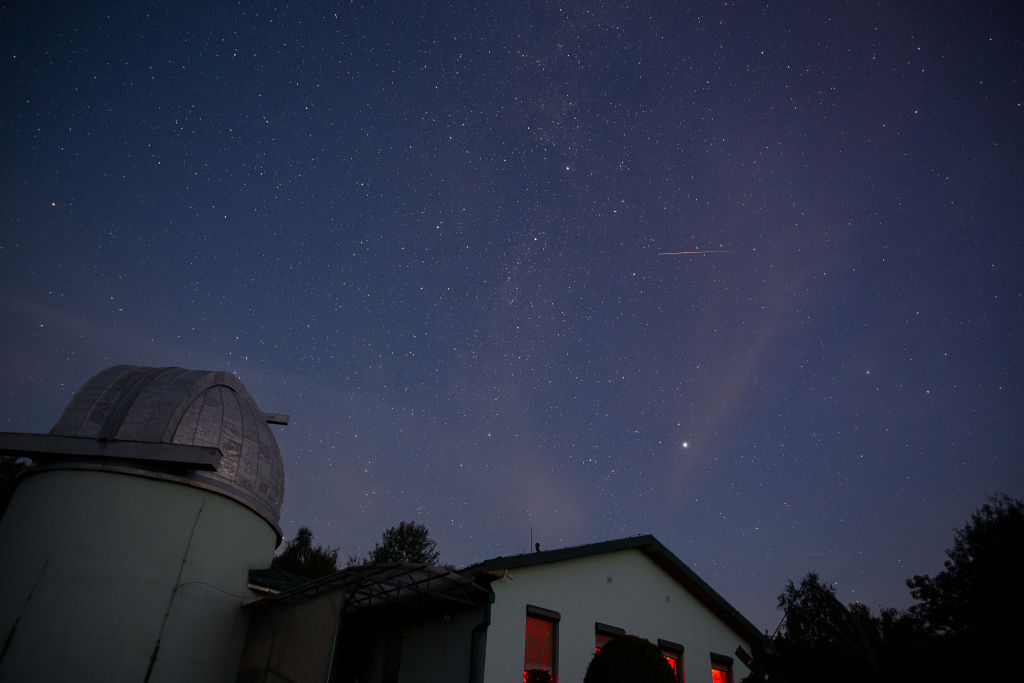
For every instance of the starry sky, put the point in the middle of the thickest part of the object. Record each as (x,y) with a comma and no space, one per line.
(435,235)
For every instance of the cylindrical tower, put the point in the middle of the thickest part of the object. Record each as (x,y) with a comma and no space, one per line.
(124,553)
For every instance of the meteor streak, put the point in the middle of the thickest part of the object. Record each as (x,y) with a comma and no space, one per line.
(702,251)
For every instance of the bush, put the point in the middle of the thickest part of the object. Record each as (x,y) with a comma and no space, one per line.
(629,659)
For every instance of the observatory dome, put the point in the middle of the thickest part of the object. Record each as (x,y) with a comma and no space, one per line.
(185,407)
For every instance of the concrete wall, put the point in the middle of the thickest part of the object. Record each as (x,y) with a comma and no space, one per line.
(109,577)
(624,589)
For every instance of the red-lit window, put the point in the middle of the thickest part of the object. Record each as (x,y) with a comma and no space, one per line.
(603,633)
(539,666)
(676,662)
(673,654)
(721,669)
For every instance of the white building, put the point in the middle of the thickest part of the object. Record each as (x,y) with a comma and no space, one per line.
(553,609)
(497,620)
(135,550)
(125,550)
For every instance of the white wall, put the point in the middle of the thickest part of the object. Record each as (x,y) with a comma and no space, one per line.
(439,650)
(295,642)
(89,562)
(640,598)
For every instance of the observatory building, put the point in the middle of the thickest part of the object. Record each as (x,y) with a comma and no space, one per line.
(136,549)
(125,551)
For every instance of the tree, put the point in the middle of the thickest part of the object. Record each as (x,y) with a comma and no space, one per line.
(812,611)
(301,557)
(407,542)
(960,612)
(627,659)
(967,604)
(820,634)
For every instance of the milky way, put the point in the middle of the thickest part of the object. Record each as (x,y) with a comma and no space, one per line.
(433,235)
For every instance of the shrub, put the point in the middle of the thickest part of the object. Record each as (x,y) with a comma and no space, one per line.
(629,659)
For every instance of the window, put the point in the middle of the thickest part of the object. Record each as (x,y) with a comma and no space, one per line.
(603,633)
(721,668)
(540,664)
(676,663)
(673,654)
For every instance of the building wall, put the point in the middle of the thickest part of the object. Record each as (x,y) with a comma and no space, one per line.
(624,589)
(439,650)
(107,576)
(292,642)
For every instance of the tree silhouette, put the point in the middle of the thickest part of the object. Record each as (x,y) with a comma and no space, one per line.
(407,542)
(820,634)
(956,629)
(301,557)
(967,605)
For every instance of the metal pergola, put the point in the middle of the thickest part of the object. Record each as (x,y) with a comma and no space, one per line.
(396,584)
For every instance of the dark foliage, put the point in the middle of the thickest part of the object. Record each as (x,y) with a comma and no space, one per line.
(301,557)
(982,575)
(967,604)
(629,659)
(407,542)
(820,634)
(538,676)
(960,613)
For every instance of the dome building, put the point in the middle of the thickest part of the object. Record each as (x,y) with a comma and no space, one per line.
(125,550)
(136,546)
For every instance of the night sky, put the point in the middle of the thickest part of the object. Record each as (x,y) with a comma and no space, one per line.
(432,234)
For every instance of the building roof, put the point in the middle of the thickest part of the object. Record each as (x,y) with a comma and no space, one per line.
(127,405)
(652,548)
